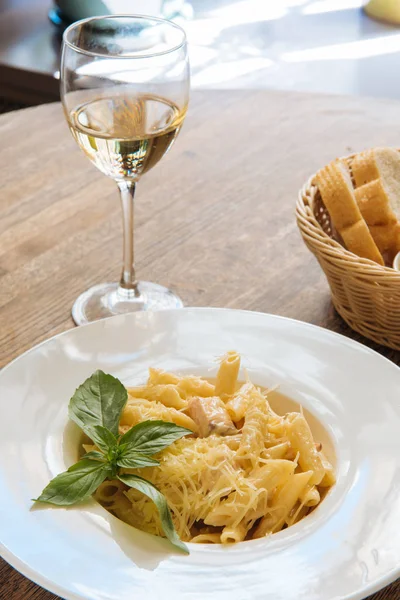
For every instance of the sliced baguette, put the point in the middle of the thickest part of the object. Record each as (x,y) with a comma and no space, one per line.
(377,176)
(364,168)
(357,238)
(387,239)
(383,164)
(336,189)
(374,200)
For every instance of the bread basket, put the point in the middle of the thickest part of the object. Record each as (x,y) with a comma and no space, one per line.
(365,294)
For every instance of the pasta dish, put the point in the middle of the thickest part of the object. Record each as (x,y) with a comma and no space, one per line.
(246,472)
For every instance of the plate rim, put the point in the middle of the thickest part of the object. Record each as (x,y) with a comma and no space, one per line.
(326,331)
(65,594)
(25,570)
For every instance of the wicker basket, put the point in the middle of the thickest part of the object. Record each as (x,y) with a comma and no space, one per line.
(365,294)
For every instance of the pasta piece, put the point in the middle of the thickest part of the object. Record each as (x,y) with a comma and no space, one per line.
(195,386)
(233,441)
(301,440)
(207,538)
(89,447)
(138,392)
(188,385)
(111,495)
(210,416)
(184,387)
(277,426)
(299,513)
(238,404)
(254,431)
(109,490)
(227,374)
(273,474)
(137,410)
(231,535)
(277,451)
(159,377)
(124,510)
(310,496)
(329,478)
(167,394)
(245,503)
(284,501)
(247,506)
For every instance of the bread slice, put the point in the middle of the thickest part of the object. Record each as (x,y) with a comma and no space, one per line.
(336,189)
(374,200)
(383,164)
(358,238)
(387,239)
(377,175)
(374,163)
(364,168)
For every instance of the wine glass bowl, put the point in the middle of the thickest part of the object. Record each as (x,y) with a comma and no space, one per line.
(125,91)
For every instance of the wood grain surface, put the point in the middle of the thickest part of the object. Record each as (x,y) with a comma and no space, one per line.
(215,219)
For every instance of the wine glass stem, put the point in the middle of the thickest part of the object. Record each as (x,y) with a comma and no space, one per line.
(128,284)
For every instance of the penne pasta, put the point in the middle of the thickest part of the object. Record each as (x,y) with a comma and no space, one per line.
(142,409)
(109,490)
(195,386)
(242,505)
(298,514)
(159,377)
(207,538)
(231,535)
(227,374)
(254,431)
(301,440)
(273,474)
(238,404)
(310,496)
(245,472)
(167,394)
(284,501)
(329,478)
(186,386)
(278,451)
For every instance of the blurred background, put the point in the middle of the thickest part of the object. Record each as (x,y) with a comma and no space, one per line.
(332,46)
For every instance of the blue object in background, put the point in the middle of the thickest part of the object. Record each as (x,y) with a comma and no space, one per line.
(65,12)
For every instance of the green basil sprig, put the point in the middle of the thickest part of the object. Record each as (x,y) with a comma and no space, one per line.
(96,408)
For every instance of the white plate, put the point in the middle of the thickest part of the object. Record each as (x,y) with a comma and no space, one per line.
(348,548)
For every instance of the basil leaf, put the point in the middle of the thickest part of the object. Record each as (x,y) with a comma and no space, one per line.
(135,460)
(98,401)
(150,437)
(103,438)
(76,484)
(150,490)
(95,455)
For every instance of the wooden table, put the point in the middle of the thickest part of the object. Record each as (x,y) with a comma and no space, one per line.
(215,220)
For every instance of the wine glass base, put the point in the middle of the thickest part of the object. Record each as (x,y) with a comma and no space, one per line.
(107,299)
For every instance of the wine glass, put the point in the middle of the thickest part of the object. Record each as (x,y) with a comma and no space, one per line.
(125,90)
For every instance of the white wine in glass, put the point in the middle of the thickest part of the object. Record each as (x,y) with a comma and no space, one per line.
(125,91)
(126,136)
